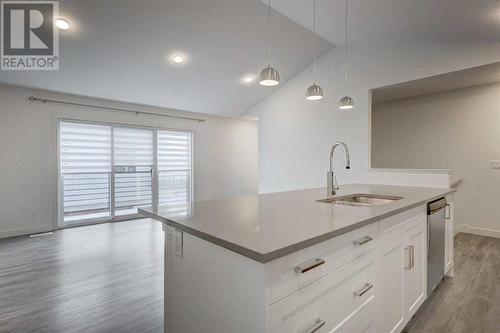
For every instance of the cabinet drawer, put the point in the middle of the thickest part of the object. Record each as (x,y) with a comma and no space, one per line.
(398,224)
(283,279)
(342,301)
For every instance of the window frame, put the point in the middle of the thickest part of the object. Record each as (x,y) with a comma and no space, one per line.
(60,190)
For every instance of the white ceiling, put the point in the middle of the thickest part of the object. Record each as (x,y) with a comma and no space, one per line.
(401,22)
(470,77)
(117,49)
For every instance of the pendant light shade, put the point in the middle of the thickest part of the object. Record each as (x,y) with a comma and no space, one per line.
(346,103)
(314,92)
(269,77)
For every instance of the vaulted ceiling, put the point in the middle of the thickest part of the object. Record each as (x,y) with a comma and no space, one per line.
(119,49)
(400,22)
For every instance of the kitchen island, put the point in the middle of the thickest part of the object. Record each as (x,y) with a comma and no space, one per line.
(285,262)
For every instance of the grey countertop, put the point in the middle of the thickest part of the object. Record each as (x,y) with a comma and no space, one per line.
(265,227)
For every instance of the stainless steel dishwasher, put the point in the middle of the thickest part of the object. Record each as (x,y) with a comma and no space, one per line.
(436,243)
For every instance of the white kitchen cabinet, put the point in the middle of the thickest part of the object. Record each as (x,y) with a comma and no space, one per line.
(370,279)
(415,269)
(390,281)
(282,280)
(342,301)
(449,234)
(401,278)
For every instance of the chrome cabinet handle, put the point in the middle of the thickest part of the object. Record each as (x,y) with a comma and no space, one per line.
(447,211)
(412,251)
(317,325)
(408,267)
(363,290)
(428,242)
(362,240)
(411,257)
(308,265)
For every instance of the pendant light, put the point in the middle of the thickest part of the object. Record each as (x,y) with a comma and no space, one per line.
(269,76)
(314,92)
(346,102)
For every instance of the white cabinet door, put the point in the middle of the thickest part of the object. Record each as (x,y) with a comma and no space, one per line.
(390,285)
(448,251)
(415,269)
(449,233)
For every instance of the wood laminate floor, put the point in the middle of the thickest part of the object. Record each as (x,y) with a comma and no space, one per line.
(109,278)
(101,278)
(470,301)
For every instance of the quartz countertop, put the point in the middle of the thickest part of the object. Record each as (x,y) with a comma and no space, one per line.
(264,227)
(400,170)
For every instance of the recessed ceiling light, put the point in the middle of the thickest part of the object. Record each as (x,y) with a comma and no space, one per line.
(249,78)
(62,24)
(177,58)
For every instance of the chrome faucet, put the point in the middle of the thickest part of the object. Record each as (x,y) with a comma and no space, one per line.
(332,186)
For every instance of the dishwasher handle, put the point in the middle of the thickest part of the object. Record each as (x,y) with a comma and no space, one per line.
(436,205)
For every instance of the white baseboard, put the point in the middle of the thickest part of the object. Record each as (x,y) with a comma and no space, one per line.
(466,228)
(460,228)
(28,230)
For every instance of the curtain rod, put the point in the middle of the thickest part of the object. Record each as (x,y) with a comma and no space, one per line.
(53,101)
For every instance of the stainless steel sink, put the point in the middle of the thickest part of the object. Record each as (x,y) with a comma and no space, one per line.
(361,200)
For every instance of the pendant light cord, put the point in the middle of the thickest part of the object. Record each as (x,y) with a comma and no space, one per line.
(345,52)
(314,42)
(269,32)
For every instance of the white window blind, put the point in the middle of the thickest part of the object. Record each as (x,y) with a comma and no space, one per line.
(85,164)
(107,170)
(85,148)
(174,170)
(133,161)
(132,146)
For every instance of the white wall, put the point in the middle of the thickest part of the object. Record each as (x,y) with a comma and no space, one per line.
(225,154)
(295,135)
(459,130)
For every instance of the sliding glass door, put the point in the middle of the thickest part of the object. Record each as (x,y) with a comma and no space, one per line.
(174,171)
(133,166)
(108,171)
(85,166)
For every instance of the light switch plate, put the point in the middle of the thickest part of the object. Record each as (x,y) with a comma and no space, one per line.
(495,164)
(178,246)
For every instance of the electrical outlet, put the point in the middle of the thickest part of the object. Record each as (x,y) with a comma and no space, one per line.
(495,164)
(178,246)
